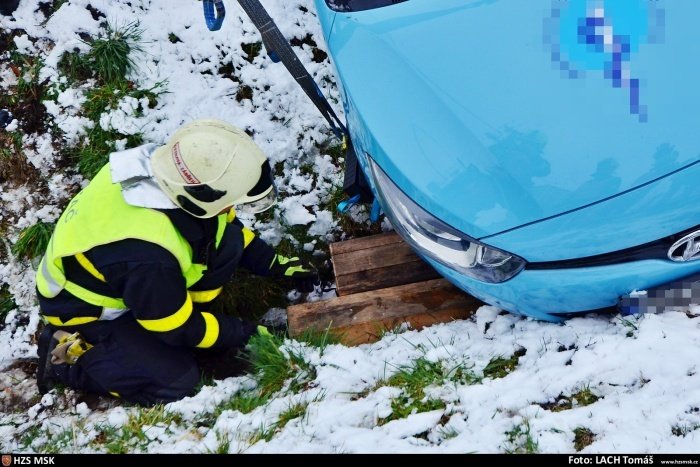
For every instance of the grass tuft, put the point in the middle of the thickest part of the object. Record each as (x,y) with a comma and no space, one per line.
(585,397)
(318,339)
(107,97)
(75,66)
(499,367)
(580,398)
(223,443)
(110,55)
(33,241)
(93,152)
(414,379)
(7,304)
(583,437)
(271,365)
(519,440)
(244,402)
(294,411)
(262,433)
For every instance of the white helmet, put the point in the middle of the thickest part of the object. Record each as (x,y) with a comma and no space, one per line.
(209,165)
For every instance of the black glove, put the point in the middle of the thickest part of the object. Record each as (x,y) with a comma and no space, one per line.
(302,273)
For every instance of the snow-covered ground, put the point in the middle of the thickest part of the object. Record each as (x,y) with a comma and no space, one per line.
(599,383)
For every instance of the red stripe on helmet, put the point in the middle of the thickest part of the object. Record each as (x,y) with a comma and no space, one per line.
(185,172)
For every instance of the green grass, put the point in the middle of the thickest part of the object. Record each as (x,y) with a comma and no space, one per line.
(447,432)
(109,59)
(131,436)
(499,367)
(55,6)
(580,398)
(415,378)
(7,304)
(75,66)
(107,97)
(519,440)
(25,99)
(223,443)
(583,437)
(33,241)
(631,323)
(30,435)
(271,366)
(150,416)
(93,152)
(110,55)
(262,433)
(405,405)
(59,443)
(51,443)
(244,402)
(114,440)
(585,397)
(249,296)
(251,50)
(319,339)
(294,411)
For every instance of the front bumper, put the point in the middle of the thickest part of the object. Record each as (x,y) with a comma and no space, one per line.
(551,295)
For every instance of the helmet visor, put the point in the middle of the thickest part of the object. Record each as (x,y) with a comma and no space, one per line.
(261,204)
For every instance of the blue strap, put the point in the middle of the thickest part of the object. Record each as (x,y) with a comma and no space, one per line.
(214,13)
(344,206)
(376,211)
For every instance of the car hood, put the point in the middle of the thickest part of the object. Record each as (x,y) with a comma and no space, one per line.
(493,114)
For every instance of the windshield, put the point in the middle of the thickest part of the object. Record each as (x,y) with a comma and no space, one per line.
(359,5)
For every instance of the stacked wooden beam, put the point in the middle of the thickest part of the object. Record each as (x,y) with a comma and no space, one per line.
(381,284)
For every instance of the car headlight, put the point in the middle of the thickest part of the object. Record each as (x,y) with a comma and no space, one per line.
(437,240)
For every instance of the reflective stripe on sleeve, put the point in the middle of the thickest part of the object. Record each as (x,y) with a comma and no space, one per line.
(47,285)
(211,334)
(171,322)
(56,321)
(204,296)
(89,267)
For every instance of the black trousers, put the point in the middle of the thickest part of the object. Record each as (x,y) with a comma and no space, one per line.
(134,364)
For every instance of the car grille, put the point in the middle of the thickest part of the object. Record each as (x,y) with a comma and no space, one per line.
(657,249)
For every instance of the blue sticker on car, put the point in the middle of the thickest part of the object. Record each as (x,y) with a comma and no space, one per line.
(603,36)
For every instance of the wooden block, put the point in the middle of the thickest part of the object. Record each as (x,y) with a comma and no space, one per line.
(376,262)
(362,317)
(363,243)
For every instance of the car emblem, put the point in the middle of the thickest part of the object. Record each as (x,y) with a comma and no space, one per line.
(686,249)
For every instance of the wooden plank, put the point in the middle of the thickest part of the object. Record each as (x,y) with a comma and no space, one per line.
(372,241)
(391,276)
(373,258)
(361,318)
(376,262)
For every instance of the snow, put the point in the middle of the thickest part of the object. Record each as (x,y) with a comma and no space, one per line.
(644,370)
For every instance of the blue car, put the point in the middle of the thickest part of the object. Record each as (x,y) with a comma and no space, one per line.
(542,155)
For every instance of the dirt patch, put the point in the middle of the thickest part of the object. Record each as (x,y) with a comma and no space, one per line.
(18,390)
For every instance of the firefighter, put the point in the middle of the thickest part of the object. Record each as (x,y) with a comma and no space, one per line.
(137,257)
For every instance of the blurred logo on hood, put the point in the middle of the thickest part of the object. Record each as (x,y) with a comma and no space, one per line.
(602,37)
